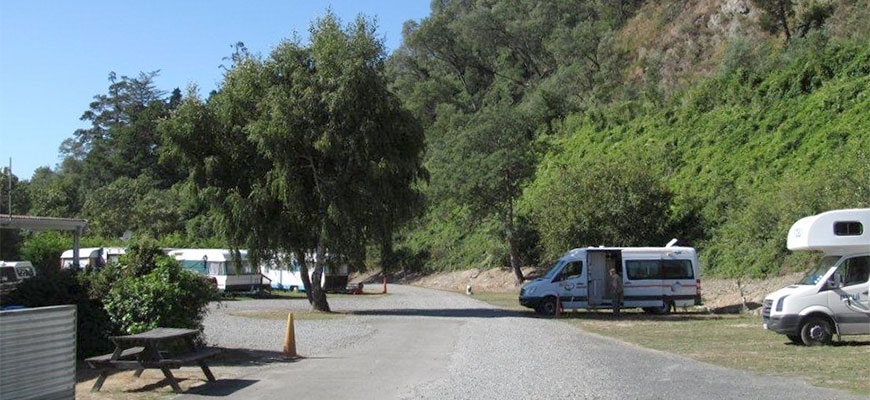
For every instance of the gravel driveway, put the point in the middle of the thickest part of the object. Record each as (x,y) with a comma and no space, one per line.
(426,344)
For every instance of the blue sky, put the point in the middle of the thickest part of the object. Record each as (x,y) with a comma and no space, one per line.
(56,55)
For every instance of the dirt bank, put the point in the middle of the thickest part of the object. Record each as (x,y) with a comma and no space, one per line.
(718,294)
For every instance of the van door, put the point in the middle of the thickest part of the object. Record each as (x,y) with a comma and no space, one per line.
(570,285)
(854,274)
(597,277)
(678,281)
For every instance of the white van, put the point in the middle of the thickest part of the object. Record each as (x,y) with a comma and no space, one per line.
(13,272)
(656,279)
(92,257)
(830,298)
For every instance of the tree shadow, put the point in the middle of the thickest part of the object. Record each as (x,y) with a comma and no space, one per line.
(442,312)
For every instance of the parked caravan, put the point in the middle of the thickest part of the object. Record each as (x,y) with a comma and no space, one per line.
(92,257)
(286,275)
(13,273)
(231,274)
(833,296)
(656,279)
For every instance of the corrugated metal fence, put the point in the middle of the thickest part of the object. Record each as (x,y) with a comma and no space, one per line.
(38,353)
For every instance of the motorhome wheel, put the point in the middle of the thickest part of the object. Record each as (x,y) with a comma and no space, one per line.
(816,331)
(548,306)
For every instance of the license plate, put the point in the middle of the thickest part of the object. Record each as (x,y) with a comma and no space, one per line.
(765,326)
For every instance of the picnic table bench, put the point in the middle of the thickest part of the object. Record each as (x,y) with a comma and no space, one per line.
(148,350)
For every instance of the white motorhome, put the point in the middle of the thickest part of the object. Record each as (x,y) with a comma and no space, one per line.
(287,275)
(92,257)
(829,299)
(656,279)
(231,273)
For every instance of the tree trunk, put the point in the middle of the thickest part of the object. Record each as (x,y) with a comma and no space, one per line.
(515,259)
(388,257)
(783,18)
(313,289)
(318,295)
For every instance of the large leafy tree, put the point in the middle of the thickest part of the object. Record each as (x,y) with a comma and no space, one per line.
(487,78)
(122,139)
(305,151)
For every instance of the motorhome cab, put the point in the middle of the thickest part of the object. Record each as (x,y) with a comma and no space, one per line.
(655,279)
(831,297)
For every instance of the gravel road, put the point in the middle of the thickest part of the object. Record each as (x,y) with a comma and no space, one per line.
(426,344)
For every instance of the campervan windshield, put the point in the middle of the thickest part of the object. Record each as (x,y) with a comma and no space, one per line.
(819,271)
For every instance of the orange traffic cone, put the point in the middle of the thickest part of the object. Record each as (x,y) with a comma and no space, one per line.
(290,338)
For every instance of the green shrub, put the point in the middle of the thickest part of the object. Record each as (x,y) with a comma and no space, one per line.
(69,287)
(168,295)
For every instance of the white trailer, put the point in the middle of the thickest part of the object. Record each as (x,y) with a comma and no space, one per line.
(285,274)
(230,272)
(656,279)
(91,257)
(830,298)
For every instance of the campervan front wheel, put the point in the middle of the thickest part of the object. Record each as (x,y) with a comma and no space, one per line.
(548,306)
(816,331)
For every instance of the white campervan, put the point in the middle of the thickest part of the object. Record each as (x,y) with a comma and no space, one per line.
(92,257)
(831,297)
(656,279)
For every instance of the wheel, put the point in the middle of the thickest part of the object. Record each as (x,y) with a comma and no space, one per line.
(548,306)
(816,331)
(796,339)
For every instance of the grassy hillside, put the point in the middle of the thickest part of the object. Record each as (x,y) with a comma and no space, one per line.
(745,153)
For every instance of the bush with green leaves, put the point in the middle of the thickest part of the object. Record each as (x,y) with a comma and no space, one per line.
(69,287)
(167,296)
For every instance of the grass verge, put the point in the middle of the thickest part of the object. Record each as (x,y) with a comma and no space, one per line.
(733,341)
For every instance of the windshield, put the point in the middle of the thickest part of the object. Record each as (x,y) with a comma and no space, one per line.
(553,271)
(819,271)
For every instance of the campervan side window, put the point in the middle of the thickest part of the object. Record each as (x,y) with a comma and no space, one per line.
(642,269)
(855,270)
(848,228)
(574,268)
(677,269)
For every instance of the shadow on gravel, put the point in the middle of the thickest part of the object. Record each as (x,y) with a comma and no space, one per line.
(640,316)
(442,312)
(250,358)
(222,387)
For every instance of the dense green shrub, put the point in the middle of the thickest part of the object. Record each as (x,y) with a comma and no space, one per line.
(168,295)
(69,287)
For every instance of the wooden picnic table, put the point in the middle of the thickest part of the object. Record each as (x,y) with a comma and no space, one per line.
(149,350)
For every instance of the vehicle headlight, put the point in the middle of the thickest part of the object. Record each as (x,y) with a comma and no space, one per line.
(529,290)
(780,302)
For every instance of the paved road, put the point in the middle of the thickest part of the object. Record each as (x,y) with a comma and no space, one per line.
(426,344)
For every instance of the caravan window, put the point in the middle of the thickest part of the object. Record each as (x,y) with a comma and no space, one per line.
(677,269)
(848,228)
(642,269)
(216,268)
